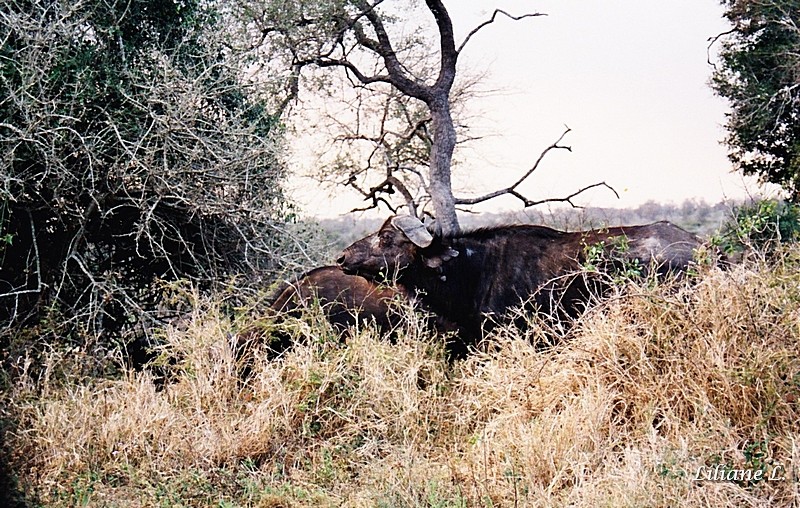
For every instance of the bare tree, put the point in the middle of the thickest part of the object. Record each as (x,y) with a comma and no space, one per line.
(378,141)
(356,36)
(361,38)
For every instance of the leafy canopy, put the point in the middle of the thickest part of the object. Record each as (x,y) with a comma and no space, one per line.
(759,74)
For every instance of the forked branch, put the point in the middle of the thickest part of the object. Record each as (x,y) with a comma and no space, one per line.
(387,186)
(512,189)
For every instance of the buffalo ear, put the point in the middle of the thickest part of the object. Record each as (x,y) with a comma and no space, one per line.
(437,260)
(414,230)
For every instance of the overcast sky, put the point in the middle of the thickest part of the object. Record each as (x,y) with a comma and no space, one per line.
(629,77)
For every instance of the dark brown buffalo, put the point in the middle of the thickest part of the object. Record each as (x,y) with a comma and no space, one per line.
(344,299)
(487,272)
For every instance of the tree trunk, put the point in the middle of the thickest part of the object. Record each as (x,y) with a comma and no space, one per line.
(443,144)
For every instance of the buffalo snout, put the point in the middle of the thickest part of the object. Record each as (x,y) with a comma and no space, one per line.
(348,261)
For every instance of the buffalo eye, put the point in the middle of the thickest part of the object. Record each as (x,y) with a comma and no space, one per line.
(386,239)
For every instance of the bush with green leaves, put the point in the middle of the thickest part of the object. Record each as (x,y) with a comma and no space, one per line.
(138,144)
(760,226)
(758,71)
(610,259)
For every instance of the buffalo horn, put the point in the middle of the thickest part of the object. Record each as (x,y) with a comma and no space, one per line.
(414,230)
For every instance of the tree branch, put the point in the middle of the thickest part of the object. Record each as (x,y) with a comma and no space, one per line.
(387,186)
(397,76)
(713,40)
(528,202)
(491,20)
(349,66)
(447,43)
(375,203)
(512,188)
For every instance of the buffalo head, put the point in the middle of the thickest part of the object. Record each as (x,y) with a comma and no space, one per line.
(400,242)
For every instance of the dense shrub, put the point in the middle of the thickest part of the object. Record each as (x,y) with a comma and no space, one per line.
(136,147)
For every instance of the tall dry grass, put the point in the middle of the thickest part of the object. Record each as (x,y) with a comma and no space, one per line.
(650,386)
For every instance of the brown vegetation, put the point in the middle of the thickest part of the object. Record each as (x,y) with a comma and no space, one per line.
(649,387)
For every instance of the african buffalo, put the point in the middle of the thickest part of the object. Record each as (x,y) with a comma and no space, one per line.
(345,299)
(467,277)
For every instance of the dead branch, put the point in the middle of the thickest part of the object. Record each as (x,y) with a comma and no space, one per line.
(375,203)
(528,202)
(512,189)
(713,40)
(491,20)
(387,186)
(566,199)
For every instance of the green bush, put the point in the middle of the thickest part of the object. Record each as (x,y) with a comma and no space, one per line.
(760,226)
(135,148)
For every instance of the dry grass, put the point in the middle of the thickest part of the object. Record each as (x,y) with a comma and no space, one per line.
(649,387)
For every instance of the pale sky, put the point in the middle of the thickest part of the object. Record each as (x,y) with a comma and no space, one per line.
(629,77)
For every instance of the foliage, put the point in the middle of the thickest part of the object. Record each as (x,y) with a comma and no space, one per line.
(135,148)
(759,74)
(760,226)
(612,259)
